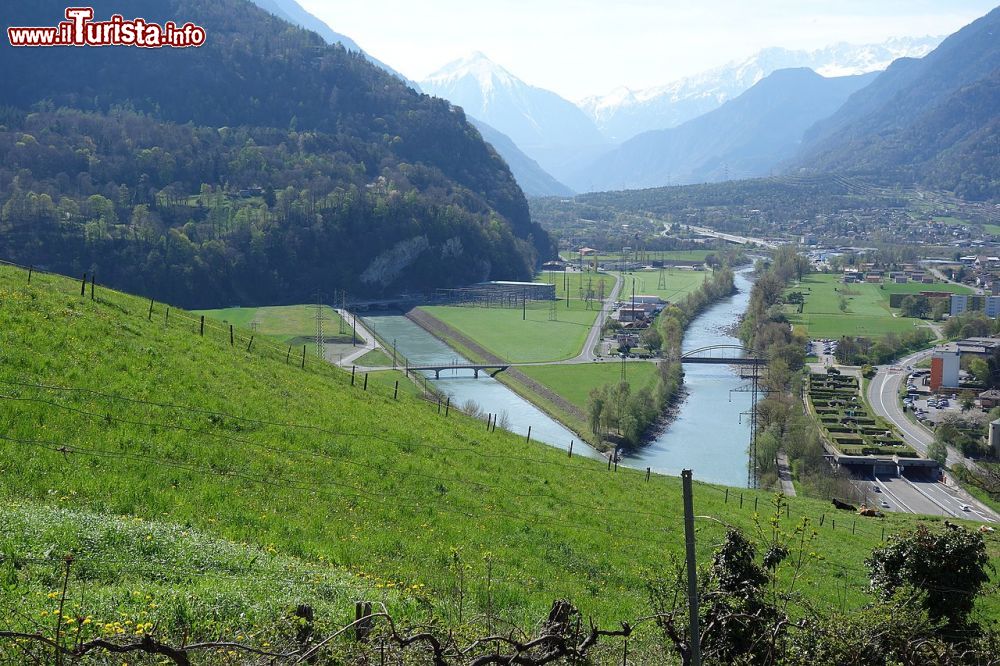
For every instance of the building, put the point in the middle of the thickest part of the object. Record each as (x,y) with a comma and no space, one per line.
(995,437)
(628,313)
(962,303)
(655,300)
(944,368)
(989,399)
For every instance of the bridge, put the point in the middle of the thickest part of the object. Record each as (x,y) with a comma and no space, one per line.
(493,369)
(723,355)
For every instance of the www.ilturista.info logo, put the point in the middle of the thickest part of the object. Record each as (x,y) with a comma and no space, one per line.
(79,29)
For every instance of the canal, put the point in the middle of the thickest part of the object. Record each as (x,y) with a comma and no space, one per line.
(709,434)
(422,348)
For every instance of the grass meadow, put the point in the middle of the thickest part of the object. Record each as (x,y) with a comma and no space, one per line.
(206,488)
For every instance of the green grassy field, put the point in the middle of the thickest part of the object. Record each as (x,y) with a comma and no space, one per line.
(574,382)
(374,358)
(652,255)
(535,338)
(677,283)
(867,310)
(220,487)
(286,323)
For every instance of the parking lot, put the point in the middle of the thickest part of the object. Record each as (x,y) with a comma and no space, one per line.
(928,408)
(824,350)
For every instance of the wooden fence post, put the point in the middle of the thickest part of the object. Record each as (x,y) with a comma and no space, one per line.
(93,279)
(354,369)
(250,344)
(447,405)
(366,382)
(528,438)
(232,341)
(201,331)
(571,448)
(303,357)
(30,269)
(83,285)
(150,317)
(288,356)
(395,392)
(647,474)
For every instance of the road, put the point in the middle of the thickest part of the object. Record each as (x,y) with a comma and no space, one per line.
(732,238)
(369,340)
(594,336)
(785,475)
(941,276)
(946,498)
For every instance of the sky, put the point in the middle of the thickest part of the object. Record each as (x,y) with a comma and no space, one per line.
(586,47)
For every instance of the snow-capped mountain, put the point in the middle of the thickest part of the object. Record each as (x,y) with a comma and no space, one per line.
(624,113)
(294,13)
(551,130)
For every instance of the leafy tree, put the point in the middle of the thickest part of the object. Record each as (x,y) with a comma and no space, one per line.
(948,568)
(915,305)
(938,450)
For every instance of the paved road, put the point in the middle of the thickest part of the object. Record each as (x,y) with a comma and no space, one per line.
(947,498)
(732,238)
(785,475)
(941,276)
(594,336)
(369,340)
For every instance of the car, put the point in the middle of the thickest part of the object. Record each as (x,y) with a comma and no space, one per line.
(966,507)
(885,505)
(876,489)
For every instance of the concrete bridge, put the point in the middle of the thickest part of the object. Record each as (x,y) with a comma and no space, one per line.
(492,368)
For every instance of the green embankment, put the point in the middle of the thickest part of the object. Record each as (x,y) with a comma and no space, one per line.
(153,454)
(866,309)
(286,323)
(574,382)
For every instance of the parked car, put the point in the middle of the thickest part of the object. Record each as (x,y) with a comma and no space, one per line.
(885,505)
(966,507)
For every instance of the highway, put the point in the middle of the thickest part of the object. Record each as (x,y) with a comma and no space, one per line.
(944,499)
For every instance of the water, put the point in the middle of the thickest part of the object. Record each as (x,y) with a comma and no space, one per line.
(422,348)
(709,435)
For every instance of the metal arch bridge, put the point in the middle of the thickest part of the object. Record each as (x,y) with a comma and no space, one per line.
(723,355)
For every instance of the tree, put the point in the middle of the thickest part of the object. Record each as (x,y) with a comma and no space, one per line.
(968,400)
(948,568)
(938,451)
(915,305)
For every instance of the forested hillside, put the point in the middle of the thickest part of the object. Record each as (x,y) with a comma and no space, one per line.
(931,121)
(259,167)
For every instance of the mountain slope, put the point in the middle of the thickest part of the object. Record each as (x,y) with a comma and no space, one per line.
(548,128)
(922,117)
(293,12)
(745,137)
(365,184)
(532,178)
(624,113)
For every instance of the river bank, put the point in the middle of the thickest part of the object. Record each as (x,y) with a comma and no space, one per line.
(574,416)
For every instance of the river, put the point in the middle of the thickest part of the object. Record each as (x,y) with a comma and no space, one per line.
(708,435)
(422,348)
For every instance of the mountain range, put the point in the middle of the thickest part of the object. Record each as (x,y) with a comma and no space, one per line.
(931,121)
(549,129)
(746,137)
(625,113)
(293,12)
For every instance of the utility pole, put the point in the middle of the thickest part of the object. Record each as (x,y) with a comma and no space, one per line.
(320,316)
(692,571)
(524,305)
